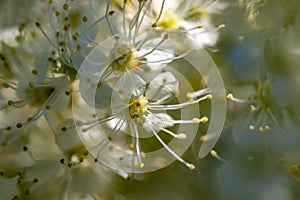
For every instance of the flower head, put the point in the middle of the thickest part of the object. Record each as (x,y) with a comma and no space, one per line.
(141,111)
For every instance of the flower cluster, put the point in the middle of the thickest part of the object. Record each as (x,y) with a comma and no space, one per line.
(94,83)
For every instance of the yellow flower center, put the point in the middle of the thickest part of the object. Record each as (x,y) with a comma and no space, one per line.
(138,108)
(122,58)
(169,20)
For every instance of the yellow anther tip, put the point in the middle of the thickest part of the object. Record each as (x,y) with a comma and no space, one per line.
(252,108)
(209,96)
(131,147)
(204,119)
(251,127)
(191,166)
(200,26)
(221,26)
(229,96)
(118,148)
(261,129)
(142,165)
(182,136)
(203,138)
(189,95)
(267,128)
(294,168)
(213,153)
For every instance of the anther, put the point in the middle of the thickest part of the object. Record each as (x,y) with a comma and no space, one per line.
(65,7)
(37,24)
(191,166)
(34,72)
(62,161)
(221,26)
(154,25)
(84,19)
(215,154)
(209,96)
(204,120)
(111,12)
(20,173)
(25,148)
(182,136)
(64,129)
(35,180)
(200,26)
(19,125)
(118,148)
(10,102)
(229,96)
(252,108)
(15,197)
(267,128)
(251,127)
(57,13)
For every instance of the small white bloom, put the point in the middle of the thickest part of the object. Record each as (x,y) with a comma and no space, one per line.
(139,111)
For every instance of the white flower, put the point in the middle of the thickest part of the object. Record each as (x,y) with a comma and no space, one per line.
(145,53)
(139,111)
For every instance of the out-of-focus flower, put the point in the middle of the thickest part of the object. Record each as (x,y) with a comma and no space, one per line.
(193,18)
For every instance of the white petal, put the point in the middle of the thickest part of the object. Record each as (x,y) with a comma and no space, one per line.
(165,84)
(112,124)
(95,93)
(95,62)
(158,121)
(8,36)
(130,84)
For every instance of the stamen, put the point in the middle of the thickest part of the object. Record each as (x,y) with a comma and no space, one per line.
(180,136)
(253,108)
(192,95)
(137,145)
(213,153)
(167,59)
(32,119)
(110,136)
(106,17)
(193,121)
(232,98)
(200,26)
(190,166)
(46,36)
(178,106)
(159,15)
(93,122)
(153,49)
